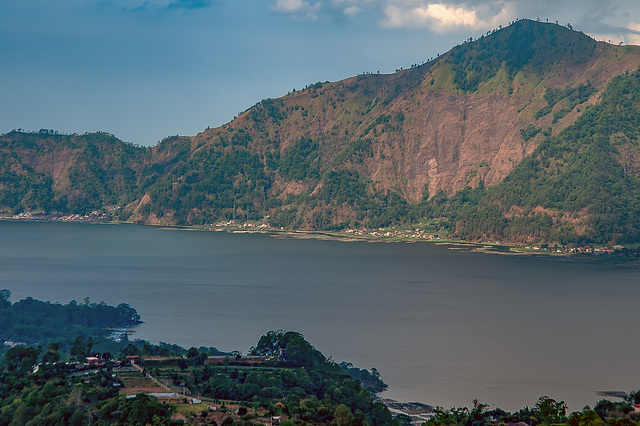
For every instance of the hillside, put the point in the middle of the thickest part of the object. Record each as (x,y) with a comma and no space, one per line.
(581,185)
(375,150)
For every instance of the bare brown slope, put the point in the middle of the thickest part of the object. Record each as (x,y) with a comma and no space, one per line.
(425,131)
(74,173)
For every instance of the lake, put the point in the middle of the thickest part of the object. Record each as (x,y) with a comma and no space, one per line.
(444,324)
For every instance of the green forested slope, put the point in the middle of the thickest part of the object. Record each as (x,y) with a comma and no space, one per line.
(576,186)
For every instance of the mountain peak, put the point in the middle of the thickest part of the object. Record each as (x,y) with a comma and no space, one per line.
(524,45)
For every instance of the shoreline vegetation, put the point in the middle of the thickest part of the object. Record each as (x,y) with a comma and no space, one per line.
(283,379)
(426,231)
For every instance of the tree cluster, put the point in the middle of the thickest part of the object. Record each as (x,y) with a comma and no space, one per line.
(34,321)
(546,411)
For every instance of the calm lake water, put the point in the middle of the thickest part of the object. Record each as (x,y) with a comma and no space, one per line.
(443,324)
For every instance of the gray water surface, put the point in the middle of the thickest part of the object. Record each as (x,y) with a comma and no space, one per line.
(443,325)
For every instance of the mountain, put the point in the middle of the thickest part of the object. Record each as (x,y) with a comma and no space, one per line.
(499,137)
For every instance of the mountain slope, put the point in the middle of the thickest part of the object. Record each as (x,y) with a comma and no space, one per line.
(583,184)
(371,150)
(391,140)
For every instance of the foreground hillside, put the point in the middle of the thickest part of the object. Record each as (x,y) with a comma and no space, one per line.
(283,374)
(526,134)
(285,381)
(79,375)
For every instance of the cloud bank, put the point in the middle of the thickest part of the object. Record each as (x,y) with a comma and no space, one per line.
(298,8)
(605,20)
(634,37)
(445,17)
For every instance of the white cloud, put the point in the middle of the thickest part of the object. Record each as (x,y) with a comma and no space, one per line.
(291,6)
(633,38)
(448,16)
(351,10)
(619,35)
(353,7)
(299,8)
(444,17)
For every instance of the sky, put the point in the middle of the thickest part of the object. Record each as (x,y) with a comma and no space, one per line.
(147,69)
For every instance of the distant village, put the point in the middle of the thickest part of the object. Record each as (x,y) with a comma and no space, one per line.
(416,233)
(365,233)
(413,234)
(56,216)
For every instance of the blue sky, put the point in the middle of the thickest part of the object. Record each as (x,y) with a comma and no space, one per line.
(146,69)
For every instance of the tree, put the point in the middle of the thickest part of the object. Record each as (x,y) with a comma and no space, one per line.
(81,348)
(192,353)
(633,397)
(202,357)
(590,418)
(268,345)
(143,409)
(4,298)
(21,359)
(343,415)
(549,410)
(52,355)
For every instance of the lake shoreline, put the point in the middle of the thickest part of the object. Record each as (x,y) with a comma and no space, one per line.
(362,235)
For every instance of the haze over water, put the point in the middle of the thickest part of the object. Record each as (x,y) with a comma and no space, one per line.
(444,325)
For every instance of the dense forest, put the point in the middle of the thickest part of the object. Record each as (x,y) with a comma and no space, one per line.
(76,330)
(33,321)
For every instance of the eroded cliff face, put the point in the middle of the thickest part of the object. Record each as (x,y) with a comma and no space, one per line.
(451,141)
